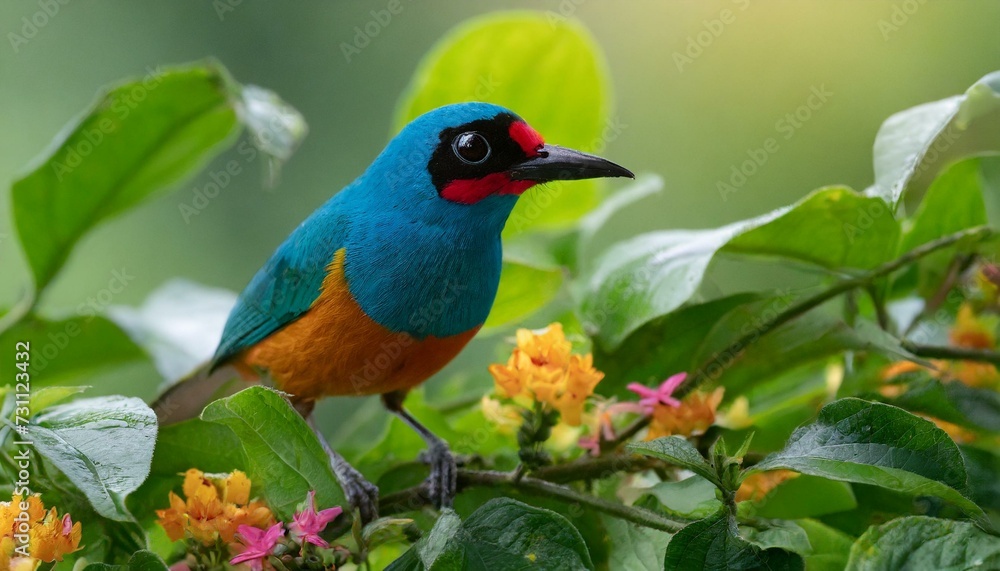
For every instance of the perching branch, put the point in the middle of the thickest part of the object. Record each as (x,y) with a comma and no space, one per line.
(542,482)
(952,353)
(723,359)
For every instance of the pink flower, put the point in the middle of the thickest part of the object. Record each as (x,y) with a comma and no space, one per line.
(260,543)
(661,395)
(308,523)
(603,428)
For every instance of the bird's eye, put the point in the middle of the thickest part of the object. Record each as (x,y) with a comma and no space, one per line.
(471,148)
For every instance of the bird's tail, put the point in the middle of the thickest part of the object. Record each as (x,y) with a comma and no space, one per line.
(188,396)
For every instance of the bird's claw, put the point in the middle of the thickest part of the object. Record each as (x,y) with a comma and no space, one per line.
(441,484)
(362,495)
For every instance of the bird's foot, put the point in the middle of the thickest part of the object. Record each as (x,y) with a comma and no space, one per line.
(361,494)
(440,486)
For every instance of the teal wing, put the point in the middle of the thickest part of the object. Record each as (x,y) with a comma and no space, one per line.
(287,285)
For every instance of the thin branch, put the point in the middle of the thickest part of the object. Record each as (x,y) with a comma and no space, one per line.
(414,498)
(952,353)
(724,358)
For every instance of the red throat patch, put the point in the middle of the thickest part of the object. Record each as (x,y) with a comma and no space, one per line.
(528,138)
(471,191)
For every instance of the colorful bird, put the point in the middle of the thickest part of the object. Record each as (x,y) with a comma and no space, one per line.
(385,283)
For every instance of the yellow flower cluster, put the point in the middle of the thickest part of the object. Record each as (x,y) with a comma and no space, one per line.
(695,414)
(215,506)
(543,368)
(49,537)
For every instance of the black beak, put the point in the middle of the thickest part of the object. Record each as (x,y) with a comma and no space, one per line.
(560,163)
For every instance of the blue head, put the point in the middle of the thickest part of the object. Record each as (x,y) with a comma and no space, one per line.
(468,163)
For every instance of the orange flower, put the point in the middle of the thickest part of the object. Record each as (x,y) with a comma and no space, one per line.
(542,368)
(215,507)
(760,484)
(50,537)
(694,416)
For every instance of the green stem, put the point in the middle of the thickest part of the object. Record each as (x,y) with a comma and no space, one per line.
(724,358)
(952,353)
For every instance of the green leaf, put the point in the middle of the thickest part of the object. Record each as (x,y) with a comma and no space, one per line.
(103,445)
(549,71)
(953,402)
(806,496)
(502,535)
(45,397)
(634,547)
(832,228)
(523,290)
(140,561)
(953,203)
(678,451)
(178,325)
(692,498)
(65,350)
(712,544)
(786,535)
(137,138)
(284,459)
(921,543)
(829,546)
(912,146)
(277,128)
(653,274)
(644,357)
(874,443)
(983,467)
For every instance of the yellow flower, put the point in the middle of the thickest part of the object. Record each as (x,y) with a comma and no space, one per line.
(760,484)
(50,537)
(542,368)
(504,417)
(215,506)
(972,331)
(694,416)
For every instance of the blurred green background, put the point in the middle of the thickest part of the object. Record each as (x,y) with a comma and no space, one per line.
(691,123)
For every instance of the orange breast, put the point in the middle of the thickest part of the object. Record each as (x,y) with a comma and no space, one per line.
(336,349)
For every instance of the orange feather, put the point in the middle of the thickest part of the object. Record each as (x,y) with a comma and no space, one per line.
(336,349)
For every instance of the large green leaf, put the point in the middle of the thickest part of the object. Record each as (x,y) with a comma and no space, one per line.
(953,402)
(502,535)
(912,146)
(103,445)
(523,289)
(921,543)
(548,71)
(829,546)
(136,139)
(178,325)
(806,496)
(679,452)
(873,443)
(690,498)
(653,274)
(140,561)
(64,350)
(634,547)
(953,203)
(712,544)
(284,458)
